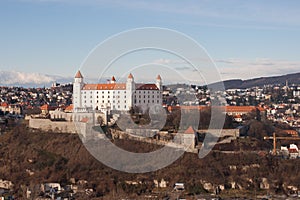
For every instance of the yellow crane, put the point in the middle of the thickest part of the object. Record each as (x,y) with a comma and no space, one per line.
(274,138)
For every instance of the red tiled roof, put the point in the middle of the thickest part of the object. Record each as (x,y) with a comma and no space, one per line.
(113,78)
(293,151)
(4,104)
(69,108)
(78,74)
(290,132)
(226,108)
(85,120)
(146,87)
(190,130)
(239,108)
(118,86)
(47,107)
(105,86)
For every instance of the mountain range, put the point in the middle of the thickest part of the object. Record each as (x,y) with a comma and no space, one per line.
(25,79)
(272,80)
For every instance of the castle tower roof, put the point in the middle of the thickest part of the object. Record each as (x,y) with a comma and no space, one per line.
(158,77)
(78,74)
(130,76)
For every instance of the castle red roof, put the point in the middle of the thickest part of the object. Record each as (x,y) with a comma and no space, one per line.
(146,87)
(78,74)
(105,86)
(130,76)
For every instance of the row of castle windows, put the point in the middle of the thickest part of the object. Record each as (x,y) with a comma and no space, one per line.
(135,101)
(124,96)
(139,91)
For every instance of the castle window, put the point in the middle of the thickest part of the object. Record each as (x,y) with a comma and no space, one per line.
(157,101)
(125,101)
(91,101)
(108,92)
(144,101)
(102,101)
(152,101)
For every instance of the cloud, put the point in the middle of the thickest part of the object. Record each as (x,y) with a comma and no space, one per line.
(16,78)
(165,61)
(245,69)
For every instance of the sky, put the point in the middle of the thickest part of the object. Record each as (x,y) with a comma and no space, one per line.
(245,39)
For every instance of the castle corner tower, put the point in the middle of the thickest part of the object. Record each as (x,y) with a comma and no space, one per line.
(77,86)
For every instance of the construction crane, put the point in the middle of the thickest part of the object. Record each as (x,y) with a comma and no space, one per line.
(274,138)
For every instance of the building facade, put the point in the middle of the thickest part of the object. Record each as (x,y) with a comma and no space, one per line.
(115,96)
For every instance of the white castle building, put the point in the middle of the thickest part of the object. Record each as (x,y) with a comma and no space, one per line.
(115,96)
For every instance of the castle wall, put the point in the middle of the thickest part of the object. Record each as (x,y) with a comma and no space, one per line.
(48,125)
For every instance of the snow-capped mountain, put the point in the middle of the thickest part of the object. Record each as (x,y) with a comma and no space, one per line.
(25,79)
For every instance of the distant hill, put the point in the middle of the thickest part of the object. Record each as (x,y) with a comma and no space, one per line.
(242,84)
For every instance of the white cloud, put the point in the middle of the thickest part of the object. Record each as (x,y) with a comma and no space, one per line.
(30,79)
(164,61)
(245,69)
